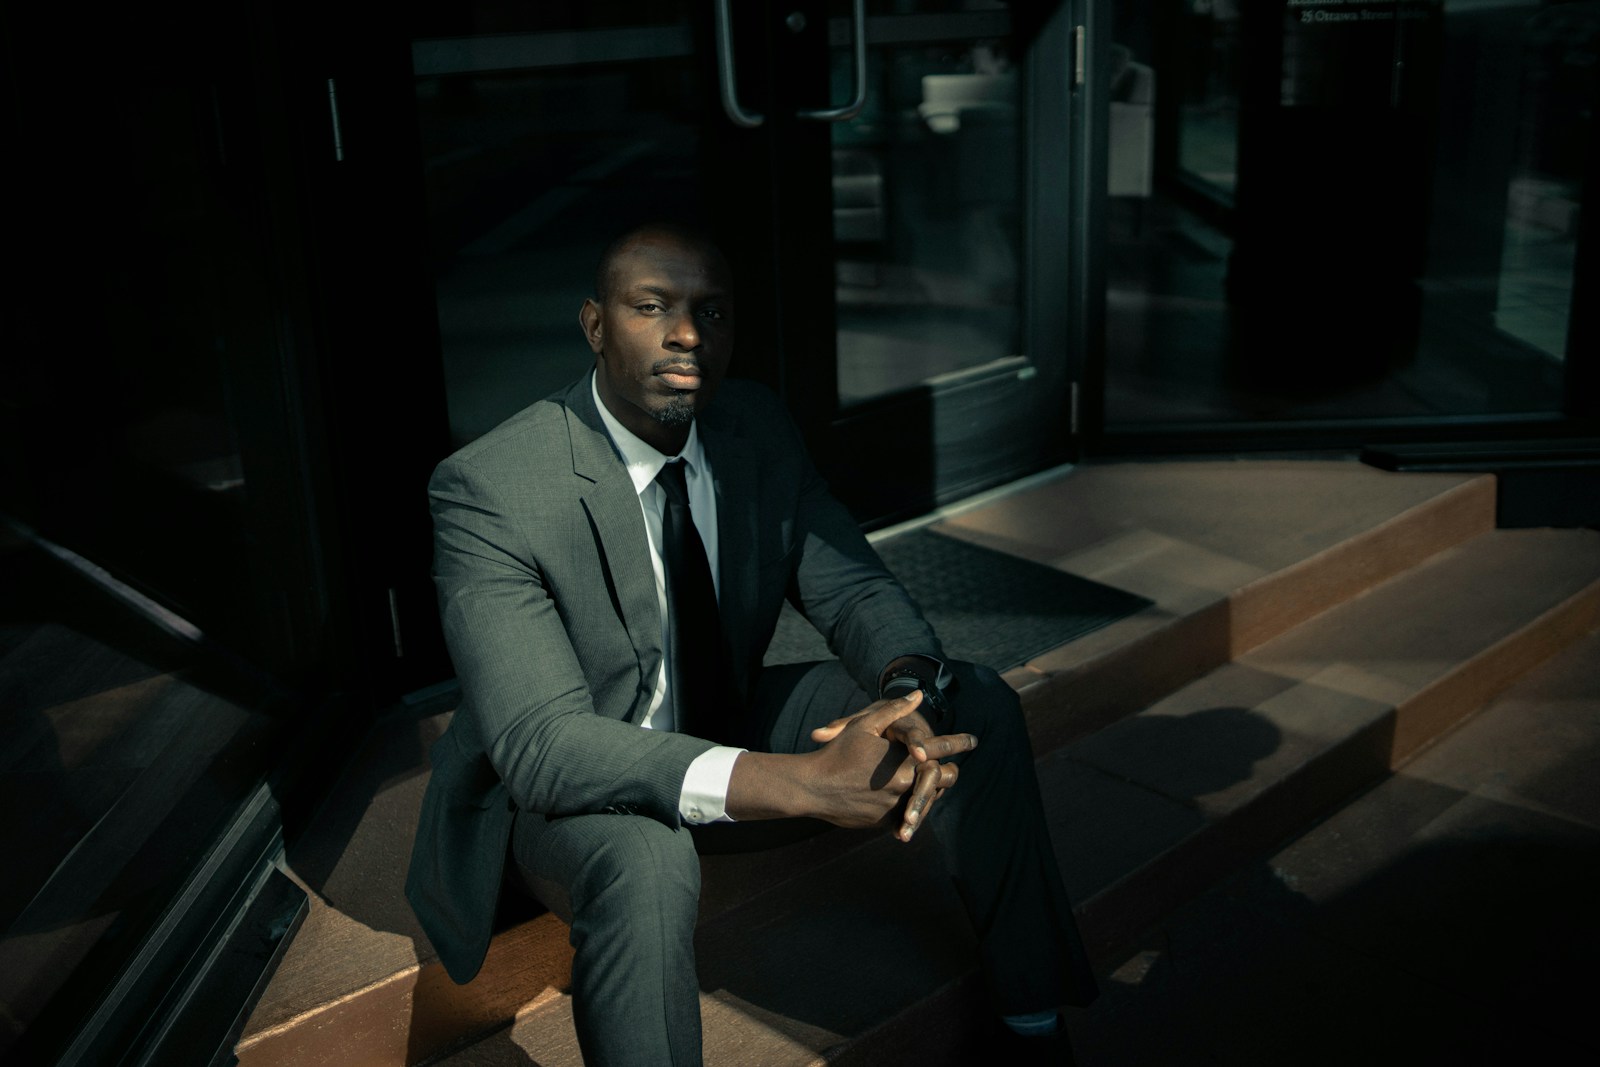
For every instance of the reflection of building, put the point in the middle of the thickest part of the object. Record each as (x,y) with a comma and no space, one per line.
(270,281)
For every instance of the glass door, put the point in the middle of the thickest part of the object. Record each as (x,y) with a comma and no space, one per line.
(949,213)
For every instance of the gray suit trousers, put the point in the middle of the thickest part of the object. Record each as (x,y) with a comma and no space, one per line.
(630,885)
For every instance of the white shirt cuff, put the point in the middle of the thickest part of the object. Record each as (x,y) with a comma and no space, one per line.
(704,798)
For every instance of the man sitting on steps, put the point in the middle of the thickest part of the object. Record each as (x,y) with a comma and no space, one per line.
(611,563)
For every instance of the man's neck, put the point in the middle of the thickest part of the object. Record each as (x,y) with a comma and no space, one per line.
(665,439)
(616,428)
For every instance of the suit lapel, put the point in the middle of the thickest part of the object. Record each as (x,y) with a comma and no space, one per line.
(613,507)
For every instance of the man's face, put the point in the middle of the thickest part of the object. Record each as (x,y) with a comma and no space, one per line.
(661,335)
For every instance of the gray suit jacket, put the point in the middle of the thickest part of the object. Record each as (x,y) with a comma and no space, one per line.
(550,613)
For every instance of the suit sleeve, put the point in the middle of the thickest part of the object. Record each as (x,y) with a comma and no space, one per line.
(529,710)
(843,588)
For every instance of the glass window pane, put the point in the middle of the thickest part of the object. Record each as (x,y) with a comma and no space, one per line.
(926,216)
(1533,302)
(1208,133)
(1368,210)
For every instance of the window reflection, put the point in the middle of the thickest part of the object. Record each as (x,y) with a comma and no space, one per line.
(925,216)
(123,758)
(1361,209)
(1534,300)
(1208,133)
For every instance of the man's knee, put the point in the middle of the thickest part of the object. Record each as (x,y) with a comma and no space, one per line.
(987,706)
(645,860)
(628,863)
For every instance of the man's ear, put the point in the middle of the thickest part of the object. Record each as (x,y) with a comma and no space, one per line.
(589,319)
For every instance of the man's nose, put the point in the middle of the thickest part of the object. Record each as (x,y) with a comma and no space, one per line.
(682,336)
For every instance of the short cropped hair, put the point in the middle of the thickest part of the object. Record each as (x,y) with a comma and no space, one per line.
(691,235)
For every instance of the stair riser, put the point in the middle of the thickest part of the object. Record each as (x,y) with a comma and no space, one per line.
(1275,605)
(1444,704)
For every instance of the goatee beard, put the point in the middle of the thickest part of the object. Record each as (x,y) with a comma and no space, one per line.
(678,411)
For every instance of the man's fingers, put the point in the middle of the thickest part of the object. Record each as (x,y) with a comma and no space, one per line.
(880,716)
(927,809)
(946,745)
(914,732)
(894,719)
(830,731)
(923,785)
(911,730)
(932,779)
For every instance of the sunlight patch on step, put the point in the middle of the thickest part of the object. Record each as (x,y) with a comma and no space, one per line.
(1135,970)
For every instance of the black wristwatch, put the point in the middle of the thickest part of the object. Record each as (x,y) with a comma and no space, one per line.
(905,673)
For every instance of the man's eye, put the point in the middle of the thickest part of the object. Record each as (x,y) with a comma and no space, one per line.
(711,313)
(648,307)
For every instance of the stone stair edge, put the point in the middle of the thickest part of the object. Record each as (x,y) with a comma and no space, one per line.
(1458,514)
(1567,622)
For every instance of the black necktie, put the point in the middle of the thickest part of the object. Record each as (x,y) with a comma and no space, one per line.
(695,668)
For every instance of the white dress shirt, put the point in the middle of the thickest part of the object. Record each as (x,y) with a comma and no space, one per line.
(704,797)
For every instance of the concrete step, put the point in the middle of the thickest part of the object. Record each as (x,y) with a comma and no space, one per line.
(1146,813)
(1231,554)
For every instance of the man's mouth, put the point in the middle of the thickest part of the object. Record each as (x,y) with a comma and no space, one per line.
(678,376)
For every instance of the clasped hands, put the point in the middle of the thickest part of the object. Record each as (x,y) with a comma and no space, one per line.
(900,753)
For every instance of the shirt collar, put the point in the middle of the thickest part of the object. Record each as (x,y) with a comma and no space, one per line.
(641,458)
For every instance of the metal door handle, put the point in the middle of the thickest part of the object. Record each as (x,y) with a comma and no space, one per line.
(727,81)
(858,21)
(725,75)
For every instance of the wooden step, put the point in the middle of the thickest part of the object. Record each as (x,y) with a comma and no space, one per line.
(1229,553)
(1146,813)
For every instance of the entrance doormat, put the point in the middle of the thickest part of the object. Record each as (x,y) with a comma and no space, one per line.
(987,607)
